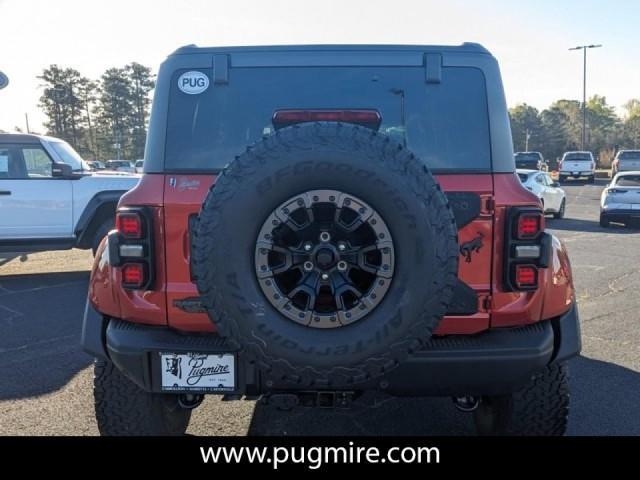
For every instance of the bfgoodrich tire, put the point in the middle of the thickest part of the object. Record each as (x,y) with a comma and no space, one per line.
(541,408)
(297,162)
(122,408)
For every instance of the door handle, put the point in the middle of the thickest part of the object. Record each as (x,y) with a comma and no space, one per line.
(5,192)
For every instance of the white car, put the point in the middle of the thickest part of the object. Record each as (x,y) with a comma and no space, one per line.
(620,200)
(49,197)
(577,165)
(553,197)
(139,165)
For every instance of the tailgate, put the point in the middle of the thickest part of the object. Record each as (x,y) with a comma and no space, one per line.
(183,197)
(624,197)
(469,312)
(469,195)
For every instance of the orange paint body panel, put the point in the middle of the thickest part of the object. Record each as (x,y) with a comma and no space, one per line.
(175,198)
(182,200)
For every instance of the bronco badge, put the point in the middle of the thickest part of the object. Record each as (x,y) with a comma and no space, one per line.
(467,248)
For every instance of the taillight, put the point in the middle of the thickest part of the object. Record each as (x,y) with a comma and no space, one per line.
(366,118)
(133,275)
(526,276)
(131,247)
(527,248)
(129,224)
(529,225)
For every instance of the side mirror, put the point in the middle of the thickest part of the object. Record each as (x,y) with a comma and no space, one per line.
(61,170)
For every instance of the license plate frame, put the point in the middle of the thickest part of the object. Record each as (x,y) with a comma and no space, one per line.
(198,372)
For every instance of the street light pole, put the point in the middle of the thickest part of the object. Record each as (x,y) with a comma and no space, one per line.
(584,89)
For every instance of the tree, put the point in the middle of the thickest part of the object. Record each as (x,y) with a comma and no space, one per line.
(87,96)
(63,106)
(602,125)
(526,128)
(630,132)
(114,111)
(142,83)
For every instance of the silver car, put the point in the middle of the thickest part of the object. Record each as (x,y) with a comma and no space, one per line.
(626,160)
(620,201)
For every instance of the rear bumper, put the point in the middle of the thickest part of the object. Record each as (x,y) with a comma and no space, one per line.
(494,362)
(620,214)
(579,175)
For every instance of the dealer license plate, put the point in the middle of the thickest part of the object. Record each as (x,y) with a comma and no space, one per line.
(198,372)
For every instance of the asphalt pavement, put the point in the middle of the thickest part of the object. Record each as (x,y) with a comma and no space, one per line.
(45,378)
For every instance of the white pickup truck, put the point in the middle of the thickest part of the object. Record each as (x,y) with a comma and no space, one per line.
(49,198)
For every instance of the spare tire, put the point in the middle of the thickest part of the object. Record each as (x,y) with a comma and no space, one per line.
(328,252)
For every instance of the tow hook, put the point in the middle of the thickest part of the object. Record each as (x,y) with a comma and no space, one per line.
(190,401)
(466,404)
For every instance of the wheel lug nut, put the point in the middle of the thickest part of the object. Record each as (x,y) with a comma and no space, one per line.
(325,276)
(342,265)
(325,237)
(308,266)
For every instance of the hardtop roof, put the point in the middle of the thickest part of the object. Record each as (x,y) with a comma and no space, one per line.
(466,47)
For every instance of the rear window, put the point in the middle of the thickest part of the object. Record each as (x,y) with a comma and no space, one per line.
(577,157)
(628,181)
(629,155)
(445,124)
(527,157)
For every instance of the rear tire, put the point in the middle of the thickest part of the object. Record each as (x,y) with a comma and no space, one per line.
(592,179)
(560,213)
(604,223)
(541,408)
(562,179)
(123,408)
(101,232)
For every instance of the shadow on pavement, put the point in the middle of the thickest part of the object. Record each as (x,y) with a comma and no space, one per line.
(580,225)
(7,257)
(603,402)
(40,323)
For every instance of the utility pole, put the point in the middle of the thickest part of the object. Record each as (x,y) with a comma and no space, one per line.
(26,119)
(584,89)
(526,140)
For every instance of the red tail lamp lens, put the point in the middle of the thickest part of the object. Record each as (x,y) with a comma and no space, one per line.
(367,118)
(529,225)
(526,276)
(133,274)
(129,225)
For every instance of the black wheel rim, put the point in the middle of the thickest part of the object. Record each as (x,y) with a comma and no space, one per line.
(324,258)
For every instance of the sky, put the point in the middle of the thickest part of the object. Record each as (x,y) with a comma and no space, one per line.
(530,39)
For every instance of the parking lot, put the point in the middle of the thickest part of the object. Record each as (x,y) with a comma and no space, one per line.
(45,379)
